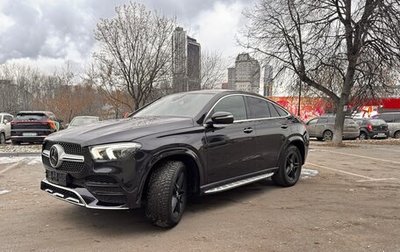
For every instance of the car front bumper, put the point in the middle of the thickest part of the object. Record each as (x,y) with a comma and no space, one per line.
(77,196)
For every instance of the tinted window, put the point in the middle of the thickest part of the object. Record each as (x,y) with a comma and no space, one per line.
(233,104)
(313,121)
(281,111)
(323,120)
(273,111)
(376,122)
(182,105)
(31,116)
(349,121)
(258,108)
(8,118)
(396,117)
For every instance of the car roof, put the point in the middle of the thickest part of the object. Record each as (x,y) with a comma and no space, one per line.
(35,112)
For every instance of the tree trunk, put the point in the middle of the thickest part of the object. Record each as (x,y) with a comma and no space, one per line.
(339,120)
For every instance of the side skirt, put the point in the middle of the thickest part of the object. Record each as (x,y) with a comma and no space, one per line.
(212,188)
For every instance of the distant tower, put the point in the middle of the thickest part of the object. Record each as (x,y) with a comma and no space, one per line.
(268,80)
(186,60)
(245,76)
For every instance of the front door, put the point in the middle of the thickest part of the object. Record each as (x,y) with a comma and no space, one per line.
(230,149)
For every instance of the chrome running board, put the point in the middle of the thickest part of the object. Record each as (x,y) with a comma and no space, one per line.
(238,183)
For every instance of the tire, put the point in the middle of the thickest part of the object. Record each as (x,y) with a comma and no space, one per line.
(15,142)
(289,168)
(396,134)
(328,135)
(363,136)
(167,194)
(2,138)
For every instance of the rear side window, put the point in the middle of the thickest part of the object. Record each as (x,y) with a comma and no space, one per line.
(233,104)
(272,109)
(31,116)
(386,117)
(322,120)
(281,111)
(258,108)
(396,118)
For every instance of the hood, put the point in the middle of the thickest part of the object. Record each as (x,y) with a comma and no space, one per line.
(124,130)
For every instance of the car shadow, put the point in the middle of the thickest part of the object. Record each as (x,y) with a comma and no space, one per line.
(120,222)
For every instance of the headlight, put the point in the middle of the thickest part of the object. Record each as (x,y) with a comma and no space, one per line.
(113,151)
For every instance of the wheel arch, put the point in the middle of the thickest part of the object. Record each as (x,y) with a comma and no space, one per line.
(186,156)
(297,141)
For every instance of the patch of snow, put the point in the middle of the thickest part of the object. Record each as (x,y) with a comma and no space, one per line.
(4,192)
(306,173)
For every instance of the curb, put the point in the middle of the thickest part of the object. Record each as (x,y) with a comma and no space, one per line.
(19,154)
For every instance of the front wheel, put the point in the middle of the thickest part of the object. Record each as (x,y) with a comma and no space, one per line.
(2,138)
(290,168)
(167,194)
(363,136)
(397,134)
(328,135)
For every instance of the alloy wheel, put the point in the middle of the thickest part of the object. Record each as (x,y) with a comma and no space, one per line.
(178,195)
(292,165)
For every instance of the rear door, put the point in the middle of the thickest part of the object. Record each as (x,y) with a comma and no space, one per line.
(271,128)
(230,149)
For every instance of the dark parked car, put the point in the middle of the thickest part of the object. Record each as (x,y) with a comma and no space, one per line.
(33,126)
(183,144)
(372,128)
(323,127)
(393,121)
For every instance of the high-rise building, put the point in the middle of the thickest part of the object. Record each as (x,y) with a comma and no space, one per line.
(268,82)
(245,76)
(186,62)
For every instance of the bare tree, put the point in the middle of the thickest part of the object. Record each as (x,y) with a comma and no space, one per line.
(212,70)
(342,48)
(135,51)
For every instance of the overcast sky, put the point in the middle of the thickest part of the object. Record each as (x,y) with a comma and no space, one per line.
(47,33)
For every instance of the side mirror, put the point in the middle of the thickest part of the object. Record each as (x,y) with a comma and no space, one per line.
(5,121)
(222,118)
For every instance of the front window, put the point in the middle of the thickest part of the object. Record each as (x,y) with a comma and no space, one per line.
(233,104)
(180,105)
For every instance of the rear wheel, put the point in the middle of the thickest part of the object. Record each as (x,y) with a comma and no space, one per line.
(363,136)
(397,134)
(328,135)
(2,138)
(290,167)
(167,194)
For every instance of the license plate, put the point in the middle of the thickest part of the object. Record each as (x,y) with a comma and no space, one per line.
(381,135)
(29,134)
(57,177)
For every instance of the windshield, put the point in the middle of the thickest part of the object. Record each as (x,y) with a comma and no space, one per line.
(31,116)
(83,121)
(181,105)
(376,122)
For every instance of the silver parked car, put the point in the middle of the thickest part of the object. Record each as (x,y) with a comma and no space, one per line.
(5,127)
(323,127)
(393,121)
(83,120)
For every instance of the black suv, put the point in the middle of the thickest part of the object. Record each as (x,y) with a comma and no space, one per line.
(183,144)
(372,128)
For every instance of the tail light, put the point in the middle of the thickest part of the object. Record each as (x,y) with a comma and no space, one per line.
(52,124)
(369,127)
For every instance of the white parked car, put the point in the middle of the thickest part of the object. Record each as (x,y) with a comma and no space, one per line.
(5,127)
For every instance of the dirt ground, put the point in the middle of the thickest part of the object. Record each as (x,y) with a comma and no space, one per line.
(352,204)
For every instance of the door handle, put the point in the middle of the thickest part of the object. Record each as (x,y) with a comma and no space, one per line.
(284,126)
(248,130)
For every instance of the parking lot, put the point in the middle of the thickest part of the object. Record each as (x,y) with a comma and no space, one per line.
(351,204)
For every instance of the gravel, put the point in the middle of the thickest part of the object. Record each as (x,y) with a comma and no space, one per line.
(23,148)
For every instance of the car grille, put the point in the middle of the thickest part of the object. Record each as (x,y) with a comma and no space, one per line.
(69,148)
(66,166)
(70,167)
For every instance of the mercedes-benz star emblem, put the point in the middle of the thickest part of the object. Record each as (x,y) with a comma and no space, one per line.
(56,152)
